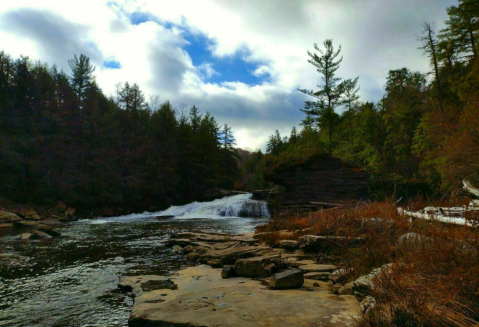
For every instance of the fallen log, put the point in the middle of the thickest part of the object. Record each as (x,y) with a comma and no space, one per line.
(471,189)
(436,217)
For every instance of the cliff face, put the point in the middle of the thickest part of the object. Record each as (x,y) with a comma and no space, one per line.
(321,180)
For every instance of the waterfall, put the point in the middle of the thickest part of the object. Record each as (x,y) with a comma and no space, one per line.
(239,205)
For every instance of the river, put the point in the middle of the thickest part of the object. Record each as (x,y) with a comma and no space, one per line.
(72,280)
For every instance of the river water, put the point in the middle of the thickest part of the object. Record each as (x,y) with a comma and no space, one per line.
(73,280)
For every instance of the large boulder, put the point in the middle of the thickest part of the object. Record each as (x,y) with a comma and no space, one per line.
(321,178)
(287,279)
(8,217)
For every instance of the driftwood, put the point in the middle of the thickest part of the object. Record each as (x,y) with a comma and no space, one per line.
(452,215)
(327,204)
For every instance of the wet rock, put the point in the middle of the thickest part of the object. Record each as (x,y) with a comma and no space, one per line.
(229,256)
(6,225)
(347,289)
(256,266)
(318,275)
(167,217)
(25,236)
(192,256)
(177,249)
(227,272)
(8,217)
(39,235)
(187,249)
(287,279)
(289,244)
(50,231)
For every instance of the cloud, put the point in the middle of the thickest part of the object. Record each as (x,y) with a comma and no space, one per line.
(240,60)
(56,38)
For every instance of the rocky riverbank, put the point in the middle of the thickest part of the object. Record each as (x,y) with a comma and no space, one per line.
(243,282)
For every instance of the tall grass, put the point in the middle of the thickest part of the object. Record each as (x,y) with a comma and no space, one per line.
(436,279)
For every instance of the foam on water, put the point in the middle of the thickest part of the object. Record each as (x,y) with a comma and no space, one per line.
(233,206)
(239,205)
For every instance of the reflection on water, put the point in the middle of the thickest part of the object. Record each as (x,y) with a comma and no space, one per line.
(72,280)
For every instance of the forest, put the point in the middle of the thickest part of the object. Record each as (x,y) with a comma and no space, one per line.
(62,139)
(421,138)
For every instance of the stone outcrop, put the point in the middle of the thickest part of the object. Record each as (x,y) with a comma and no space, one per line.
(198,296)
(323,179)
(229,256)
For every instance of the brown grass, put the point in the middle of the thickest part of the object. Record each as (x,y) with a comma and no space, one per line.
(436,282)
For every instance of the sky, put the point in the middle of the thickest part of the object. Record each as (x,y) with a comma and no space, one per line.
(242,61)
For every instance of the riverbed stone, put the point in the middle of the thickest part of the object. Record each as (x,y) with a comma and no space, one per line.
(288,279)
(192,256)
(219,258)
(39,235)
(364,285)
(257,266)
(318,268)
(176,249)
(203,298)
(25,236)
(347,289)
(227,272)
(317,276)
(289,244)
(8,217)
(340,275)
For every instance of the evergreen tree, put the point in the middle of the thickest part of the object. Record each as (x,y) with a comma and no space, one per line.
(329,93)
(82,75)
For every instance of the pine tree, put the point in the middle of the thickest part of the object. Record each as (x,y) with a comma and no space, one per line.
(329,93)
(82,75)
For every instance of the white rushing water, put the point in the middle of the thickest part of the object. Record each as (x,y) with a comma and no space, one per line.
(234,206)
(239,205)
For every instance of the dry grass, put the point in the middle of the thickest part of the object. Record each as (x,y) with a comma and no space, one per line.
(436,282)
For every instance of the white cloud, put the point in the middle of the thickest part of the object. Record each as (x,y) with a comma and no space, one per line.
(376,36)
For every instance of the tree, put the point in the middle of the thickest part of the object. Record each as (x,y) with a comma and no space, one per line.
(350,97)
(195,119)
(227,139)
(430,47)
(82,75)
(275,144)
(329,93)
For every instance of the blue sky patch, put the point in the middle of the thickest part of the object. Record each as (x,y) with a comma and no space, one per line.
(112,64)
(229,68)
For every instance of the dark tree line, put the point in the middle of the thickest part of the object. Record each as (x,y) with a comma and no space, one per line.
(62,139)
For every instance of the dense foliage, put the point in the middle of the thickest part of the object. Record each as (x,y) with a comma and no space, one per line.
(62,139)
(424,131)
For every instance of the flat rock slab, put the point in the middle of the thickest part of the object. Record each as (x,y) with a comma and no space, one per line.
(203,298)
(318,268)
